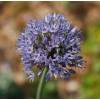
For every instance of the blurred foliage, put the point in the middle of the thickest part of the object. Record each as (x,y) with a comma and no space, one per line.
(14,16)
(50,91)
(90,87)
(92,44)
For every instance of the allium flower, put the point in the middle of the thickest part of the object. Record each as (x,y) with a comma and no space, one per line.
(52,42)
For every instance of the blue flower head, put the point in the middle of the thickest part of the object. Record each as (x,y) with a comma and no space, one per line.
(52,42)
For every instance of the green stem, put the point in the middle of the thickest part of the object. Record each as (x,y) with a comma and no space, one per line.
(41,84)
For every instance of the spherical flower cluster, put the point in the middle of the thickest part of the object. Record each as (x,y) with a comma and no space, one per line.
(52,42)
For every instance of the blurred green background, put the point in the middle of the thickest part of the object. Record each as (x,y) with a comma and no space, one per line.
(14,16)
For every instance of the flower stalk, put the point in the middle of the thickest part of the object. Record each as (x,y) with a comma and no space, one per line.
(40,86)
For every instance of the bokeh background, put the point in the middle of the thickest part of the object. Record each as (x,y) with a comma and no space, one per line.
(14,16)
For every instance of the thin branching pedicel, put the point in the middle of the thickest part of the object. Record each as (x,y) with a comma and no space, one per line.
(52,42)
